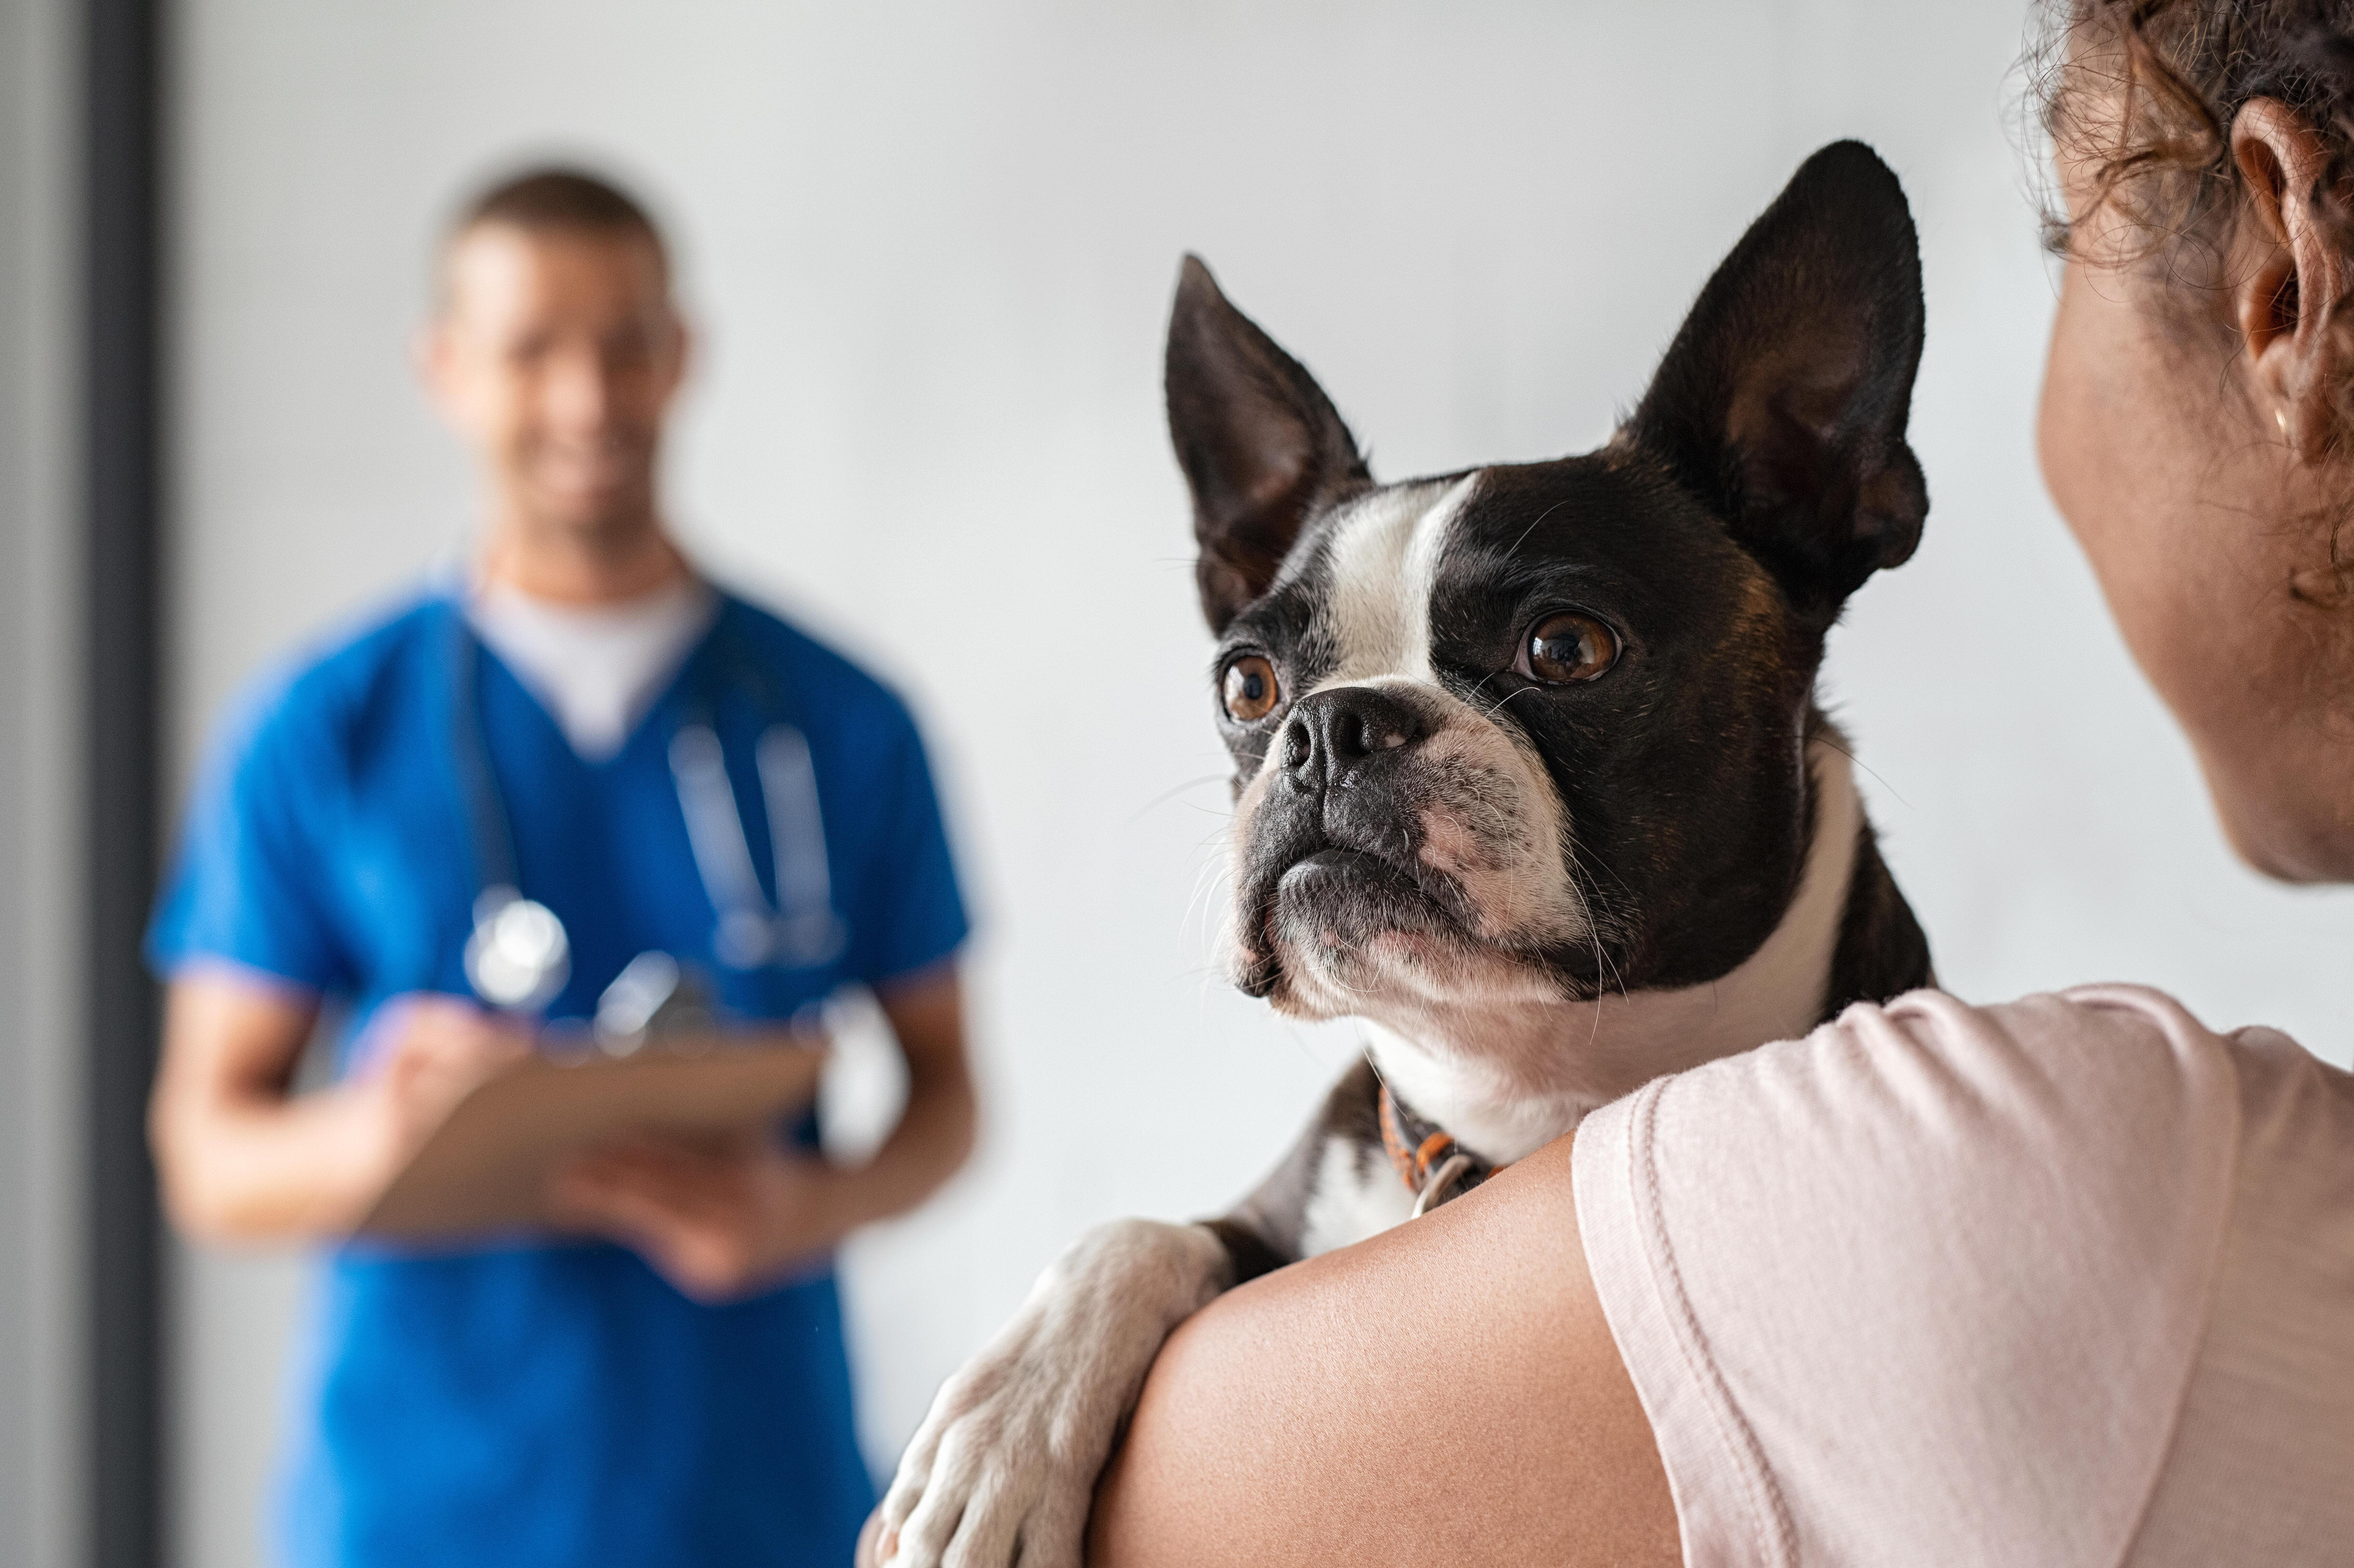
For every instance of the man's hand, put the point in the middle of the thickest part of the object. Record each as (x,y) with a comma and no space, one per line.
(720,1220)
(717,1218)
(244,1159)
(422,1053)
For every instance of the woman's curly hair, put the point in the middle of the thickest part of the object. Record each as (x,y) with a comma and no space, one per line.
(2145,91)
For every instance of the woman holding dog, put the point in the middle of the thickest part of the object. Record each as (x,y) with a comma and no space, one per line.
(2065,1281)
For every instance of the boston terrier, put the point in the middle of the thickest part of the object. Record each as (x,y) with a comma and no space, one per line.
(1529,777)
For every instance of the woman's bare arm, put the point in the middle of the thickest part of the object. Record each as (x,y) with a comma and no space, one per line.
(1445,1392)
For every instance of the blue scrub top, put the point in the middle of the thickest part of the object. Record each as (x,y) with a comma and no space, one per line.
(558,1405)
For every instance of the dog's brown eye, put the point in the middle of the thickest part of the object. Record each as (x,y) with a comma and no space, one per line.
(1565,649)
(1249,689)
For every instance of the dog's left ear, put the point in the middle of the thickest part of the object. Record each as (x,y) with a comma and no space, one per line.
(1784,397)
(1261,445)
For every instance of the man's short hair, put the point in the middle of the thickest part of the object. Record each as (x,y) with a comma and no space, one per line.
(554,200)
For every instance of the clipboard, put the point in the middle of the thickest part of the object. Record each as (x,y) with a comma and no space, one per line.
(485,1170)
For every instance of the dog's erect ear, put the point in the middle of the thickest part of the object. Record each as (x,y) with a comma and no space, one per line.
(1260,444)
(1784,397)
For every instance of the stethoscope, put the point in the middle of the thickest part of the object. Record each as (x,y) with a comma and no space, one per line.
(518,956)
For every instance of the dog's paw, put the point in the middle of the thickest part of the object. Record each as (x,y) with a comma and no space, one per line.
(1006,1465)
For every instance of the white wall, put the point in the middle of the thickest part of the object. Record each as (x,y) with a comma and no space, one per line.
(41,1435)
(930,246)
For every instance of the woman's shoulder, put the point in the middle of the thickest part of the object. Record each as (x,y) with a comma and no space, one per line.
(2112,1028)
(2109,1110)
(2107,1122)
(1903,1257)
(2095,1073)
(2089,1073)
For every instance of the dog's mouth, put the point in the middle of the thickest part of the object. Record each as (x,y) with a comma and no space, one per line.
(1328,905)
(1422,867)
(1365,884)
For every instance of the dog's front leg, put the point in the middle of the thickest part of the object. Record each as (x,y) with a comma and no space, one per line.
(1006,1465)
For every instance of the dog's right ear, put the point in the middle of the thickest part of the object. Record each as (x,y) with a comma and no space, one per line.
(1784,398)
(1261,445)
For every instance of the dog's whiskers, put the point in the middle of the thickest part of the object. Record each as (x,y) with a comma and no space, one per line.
(1168,794)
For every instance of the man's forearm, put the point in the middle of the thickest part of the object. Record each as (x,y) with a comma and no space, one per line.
(934,1138)
(243,1160)
(278,1170)
(935,1135)
(240,1158)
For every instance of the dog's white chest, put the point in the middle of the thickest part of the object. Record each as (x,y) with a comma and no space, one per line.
(1357,1194)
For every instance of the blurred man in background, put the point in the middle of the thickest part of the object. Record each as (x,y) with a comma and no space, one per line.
(462,822)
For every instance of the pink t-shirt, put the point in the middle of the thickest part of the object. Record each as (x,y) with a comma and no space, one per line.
(2066,1281)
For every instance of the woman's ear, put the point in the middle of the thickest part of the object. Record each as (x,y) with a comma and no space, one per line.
(2285,305)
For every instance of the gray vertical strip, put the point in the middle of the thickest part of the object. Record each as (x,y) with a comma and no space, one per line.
(43,1458)
(123,493)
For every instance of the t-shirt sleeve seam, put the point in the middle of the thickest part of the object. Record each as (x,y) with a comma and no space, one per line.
(2209,1288)
(1769,1516)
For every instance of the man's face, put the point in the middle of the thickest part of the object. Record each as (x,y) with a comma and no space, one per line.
(556,355)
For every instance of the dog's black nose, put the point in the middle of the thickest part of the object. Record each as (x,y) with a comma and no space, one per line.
(1333,735)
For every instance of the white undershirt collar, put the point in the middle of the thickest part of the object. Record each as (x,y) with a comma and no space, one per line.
(596,669)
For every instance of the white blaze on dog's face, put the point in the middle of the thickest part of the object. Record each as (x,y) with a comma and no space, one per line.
(1480,832)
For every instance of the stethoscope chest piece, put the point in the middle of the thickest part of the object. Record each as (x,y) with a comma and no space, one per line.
(518,956)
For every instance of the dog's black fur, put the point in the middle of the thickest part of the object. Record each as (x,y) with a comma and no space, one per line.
(1763,476)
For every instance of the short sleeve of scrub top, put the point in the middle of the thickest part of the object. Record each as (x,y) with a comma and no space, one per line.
(526,1404)
(909,915)
(246,889)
